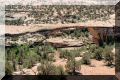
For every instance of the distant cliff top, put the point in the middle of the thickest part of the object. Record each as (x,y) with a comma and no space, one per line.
(61,13)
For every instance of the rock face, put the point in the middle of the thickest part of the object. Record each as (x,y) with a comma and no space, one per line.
(28,38)
(40,36)
(31,71)
(64,42)
(101,35)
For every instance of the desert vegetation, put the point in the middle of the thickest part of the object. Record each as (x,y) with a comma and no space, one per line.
(67,51)
(20,56)
(57,14)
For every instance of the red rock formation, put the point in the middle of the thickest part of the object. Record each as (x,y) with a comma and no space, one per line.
(101,35)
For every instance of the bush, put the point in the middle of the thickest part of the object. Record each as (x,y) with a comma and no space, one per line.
(29,62)
(65,54)
(86,59)
(30,59)
(117,58)
(79,32)
(108,56)
(47,68)
(92,48)
(46,52)
(68,54)
(76,52)
(14,22)
(9,68)
(15,38)
(73,66)
(98,54)
(59,71)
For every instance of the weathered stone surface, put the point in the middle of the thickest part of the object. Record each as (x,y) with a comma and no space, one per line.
(64,42)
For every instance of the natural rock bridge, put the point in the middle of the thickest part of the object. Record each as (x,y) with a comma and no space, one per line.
(100,30)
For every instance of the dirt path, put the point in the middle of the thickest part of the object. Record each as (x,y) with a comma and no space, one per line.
(59,61)
(99,69)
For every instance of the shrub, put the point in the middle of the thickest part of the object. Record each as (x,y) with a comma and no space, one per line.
(65,54)
(45,48)
(81,33)
(73,66)
(46,52)
(29,62)
(49,49)
(92,48)
(117,58)
(108,56)
(68,54)
(47,68)
(59,71)
(30,59)
(14,22)
(76,52)
(15,38)
(14,64)
(44,68)
(86,59)
(8,68)
(98,54)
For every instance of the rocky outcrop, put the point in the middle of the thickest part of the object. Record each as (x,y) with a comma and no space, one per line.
(28,38)
(64,42)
